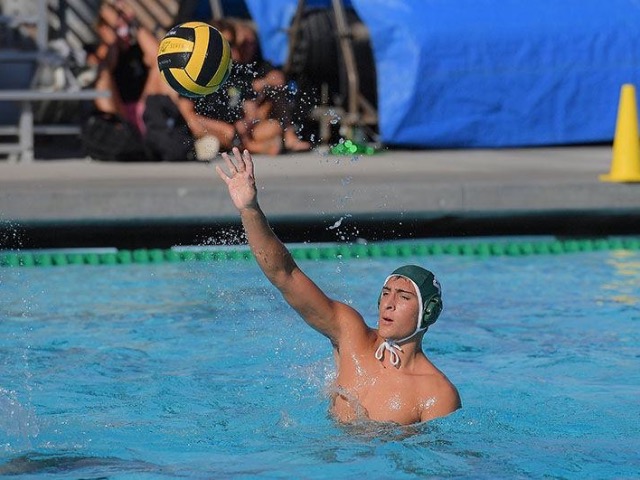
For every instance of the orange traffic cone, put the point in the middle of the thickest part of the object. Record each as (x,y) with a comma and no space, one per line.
(625,164)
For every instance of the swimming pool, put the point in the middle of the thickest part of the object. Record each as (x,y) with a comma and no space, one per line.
(199,370)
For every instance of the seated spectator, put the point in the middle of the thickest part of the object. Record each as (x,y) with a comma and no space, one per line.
(126,57)
(253,109)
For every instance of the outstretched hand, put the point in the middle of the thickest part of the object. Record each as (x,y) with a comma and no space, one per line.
(240,180)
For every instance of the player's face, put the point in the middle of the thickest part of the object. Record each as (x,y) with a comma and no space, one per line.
(398,313)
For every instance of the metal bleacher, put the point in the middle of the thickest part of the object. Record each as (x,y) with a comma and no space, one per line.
(45,21)
(21,67)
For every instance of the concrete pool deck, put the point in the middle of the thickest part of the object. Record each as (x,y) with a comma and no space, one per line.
(402,192)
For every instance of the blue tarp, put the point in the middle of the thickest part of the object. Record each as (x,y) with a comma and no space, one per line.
(487,73)
(273,19)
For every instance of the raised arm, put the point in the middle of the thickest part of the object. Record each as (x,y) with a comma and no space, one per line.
(329,317)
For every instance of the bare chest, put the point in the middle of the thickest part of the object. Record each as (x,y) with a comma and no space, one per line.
(368,389)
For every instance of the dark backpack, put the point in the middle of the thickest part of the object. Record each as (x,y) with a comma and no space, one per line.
(167,138)
(107,136)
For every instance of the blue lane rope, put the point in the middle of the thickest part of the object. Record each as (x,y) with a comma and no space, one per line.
(322,252)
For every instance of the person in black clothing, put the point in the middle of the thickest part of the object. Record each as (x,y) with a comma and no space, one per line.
(126,57)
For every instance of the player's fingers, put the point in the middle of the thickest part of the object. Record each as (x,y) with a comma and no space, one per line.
(221,173)
(239,160)
(229,162)
(248,161)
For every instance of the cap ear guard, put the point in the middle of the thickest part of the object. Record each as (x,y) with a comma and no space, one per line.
(432,311)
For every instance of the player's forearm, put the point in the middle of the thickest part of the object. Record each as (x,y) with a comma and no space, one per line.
(272,256)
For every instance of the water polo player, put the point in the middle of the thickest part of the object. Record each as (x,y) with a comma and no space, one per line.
(382,374)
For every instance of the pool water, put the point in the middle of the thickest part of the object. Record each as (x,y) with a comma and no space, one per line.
(199,370)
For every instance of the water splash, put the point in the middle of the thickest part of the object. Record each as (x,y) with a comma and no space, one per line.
(338,223)
(227,237)
(11,235)
(345,232)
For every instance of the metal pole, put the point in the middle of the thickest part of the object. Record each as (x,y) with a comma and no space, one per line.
(346,47)
(43,25)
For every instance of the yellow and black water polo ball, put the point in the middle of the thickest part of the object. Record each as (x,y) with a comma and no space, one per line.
(194,59)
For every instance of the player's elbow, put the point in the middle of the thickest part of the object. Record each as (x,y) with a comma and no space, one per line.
(282,277)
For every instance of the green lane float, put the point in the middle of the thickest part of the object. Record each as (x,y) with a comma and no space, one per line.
(321,252)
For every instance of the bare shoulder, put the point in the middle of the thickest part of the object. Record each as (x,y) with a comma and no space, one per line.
(439,395)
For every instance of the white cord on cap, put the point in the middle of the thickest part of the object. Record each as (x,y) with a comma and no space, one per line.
(389,345)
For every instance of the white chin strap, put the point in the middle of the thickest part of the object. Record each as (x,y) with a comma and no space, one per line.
(391,347)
